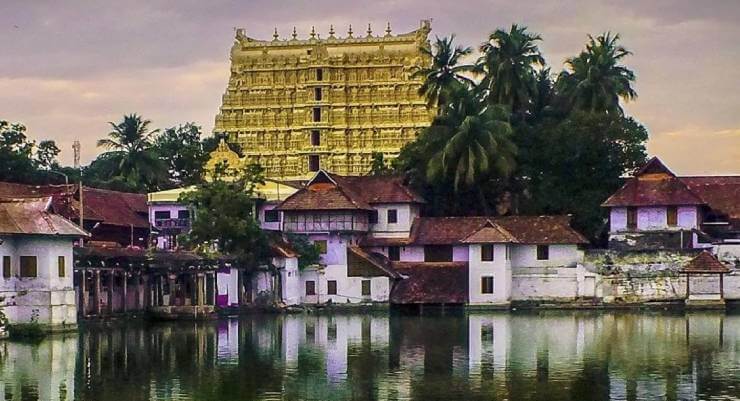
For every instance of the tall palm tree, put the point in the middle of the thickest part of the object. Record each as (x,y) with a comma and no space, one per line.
(595,80)
(445,74)
(508,62)
(478,145)
(129,144)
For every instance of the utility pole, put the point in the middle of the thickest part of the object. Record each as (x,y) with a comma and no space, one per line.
(76,148)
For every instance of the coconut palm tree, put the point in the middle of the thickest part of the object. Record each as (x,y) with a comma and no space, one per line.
(445,74)
(509,64)
(129,146)
(478,144)
(595,80)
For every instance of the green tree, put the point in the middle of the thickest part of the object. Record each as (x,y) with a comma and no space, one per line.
(225,219)
(379,166)
(572,165)
(445,74)
(595,80)
(508,63)
(183,153)
(131,158)
(464,149)
(46,154)
(22,160)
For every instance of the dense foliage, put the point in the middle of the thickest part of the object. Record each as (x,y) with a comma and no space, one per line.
(23,160)
(224,217)
(515,139)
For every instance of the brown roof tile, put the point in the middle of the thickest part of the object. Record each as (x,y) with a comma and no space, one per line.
(431,283)
(720,193)
(522,229)
(334,192)
(705,262)
(32,216)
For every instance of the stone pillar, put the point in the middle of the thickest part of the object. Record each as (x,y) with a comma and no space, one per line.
(240,287)
(213,288)
(171,278)
(124,293)
(111,282)
(96,292)
(83,293)
(194,289)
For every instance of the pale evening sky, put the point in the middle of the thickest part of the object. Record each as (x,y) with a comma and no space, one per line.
(69,67)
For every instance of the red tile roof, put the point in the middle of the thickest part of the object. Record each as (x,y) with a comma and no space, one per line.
(431,283)
(521,229)
(334,192)
(379,262)
(655,185)
(705,262)
(720,193)
(108,207)
(33,216)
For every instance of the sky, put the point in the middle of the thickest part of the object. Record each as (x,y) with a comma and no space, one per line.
(67,68)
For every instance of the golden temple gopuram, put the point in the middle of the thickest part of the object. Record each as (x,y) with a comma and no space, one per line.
(297,105)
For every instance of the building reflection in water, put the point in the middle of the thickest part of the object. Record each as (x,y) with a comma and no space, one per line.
(546,356)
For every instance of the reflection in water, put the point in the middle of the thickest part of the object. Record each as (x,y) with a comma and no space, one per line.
(546,356)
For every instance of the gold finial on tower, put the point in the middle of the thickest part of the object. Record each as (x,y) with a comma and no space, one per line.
(369,30)
(331,31)
(275,35)
(388,29)
(349,32)
(295,34)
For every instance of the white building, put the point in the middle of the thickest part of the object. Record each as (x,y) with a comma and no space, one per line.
(36,256)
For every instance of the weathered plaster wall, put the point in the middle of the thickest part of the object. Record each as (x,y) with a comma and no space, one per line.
(499,268)
(349,289)
(47,298)
(653,218)
(560,255)
(405,216)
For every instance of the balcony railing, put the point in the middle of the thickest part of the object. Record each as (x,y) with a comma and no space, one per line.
(172,223)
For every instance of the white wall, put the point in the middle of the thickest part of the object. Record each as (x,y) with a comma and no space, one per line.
(499,269)
(653,218)
(405,213)
(349,289)
(525,255)
(47,298)
(272,226)
(290,276)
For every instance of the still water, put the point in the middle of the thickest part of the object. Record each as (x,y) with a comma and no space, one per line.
(455,356)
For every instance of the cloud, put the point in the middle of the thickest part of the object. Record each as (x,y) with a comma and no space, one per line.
(71,66)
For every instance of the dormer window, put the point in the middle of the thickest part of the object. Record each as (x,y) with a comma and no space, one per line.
(392,216)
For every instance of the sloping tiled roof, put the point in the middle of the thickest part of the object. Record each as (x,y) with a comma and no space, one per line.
(522,229)
(431,283)
(721,193)
(490,233)
(653,192)
(32,216)
(376,261)
(334,192)
(705,262)
(109,207)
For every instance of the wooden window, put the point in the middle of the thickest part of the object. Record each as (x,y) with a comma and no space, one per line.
(161,214)
(543,252)
(486,252)
(310,287)
(272,216)
(313,163)
(373,219)
(28,266)
(392,216)
(394,253)
(183,214)
(365,288)
(632,217)
(321,244)
(317,95)
(438,253)
(317,114)
(672,216)
(319,74)
(331,287)
(6,267)
(61,266)
(315,138)
(486,285)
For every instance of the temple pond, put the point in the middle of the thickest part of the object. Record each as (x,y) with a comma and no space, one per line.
(452,356)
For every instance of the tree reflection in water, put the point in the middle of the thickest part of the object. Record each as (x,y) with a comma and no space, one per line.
(440,356)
